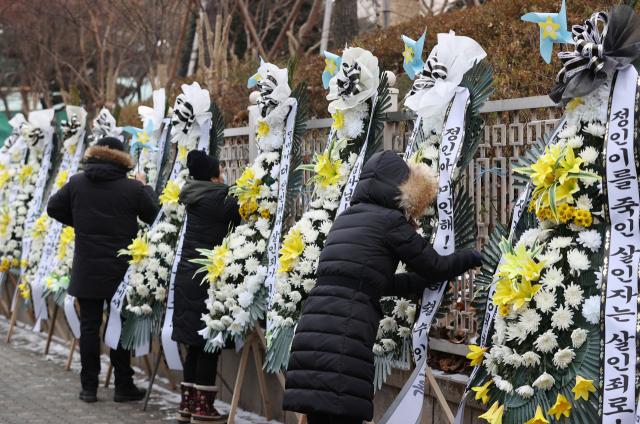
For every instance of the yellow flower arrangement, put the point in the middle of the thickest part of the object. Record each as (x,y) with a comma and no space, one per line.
(25,172)
(327,171)
(40,227)
(565,212)
(215,262)
(583,217)
(555,177)
(292,247)
(247,188)
(170,193)
(66,237)
(138,249)
(61,179)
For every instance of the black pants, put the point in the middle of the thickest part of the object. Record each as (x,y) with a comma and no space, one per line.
(331,419)
(200,367)
(90,322)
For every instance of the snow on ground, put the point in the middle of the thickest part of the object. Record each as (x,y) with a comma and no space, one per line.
(161,395)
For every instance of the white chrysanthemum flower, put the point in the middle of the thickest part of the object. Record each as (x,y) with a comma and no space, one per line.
(504,385)
(404,332)
(245,299)
(575,227)
(584,202)
(378,350)
(529,237)
(530,320)
(525,391)
(142,290)
(598,275)
(544,382)
(514,359)
(146,309)
(308,284)
(561,242)
(562,318)
(573,295)
(325,227)
(547,224)
(588,182)
(295,296)
(388,324)
(578,337)
(578,261)
(552,279)
(312,252)
(590,239)
(411,315)
(568,132)
(550,257)
(515,332)
(531,359)
(546,342)
(594,129)
(431,153)
(589,155)
(388,344)
(563,358)
(591,309)
(401,307)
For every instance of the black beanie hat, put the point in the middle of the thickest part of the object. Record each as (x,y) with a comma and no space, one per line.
(202,167)
(112,142)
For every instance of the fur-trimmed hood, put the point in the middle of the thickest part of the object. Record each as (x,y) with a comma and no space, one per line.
(109,155)
(388,181)
(106,164)
(419,191)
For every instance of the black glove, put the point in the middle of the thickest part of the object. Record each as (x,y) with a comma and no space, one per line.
(478,257)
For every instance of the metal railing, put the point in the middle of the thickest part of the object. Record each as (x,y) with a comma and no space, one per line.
(510,127)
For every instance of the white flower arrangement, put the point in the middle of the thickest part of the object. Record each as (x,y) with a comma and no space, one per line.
(545,306)
(305,240)
(235,270)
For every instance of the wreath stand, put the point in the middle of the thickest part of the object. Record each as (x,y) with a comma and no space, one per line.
(14,302)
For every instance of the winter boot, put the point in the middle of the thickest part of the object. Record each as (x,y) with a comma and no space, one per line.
(131,394)
(203,410)
(89,396)
(186,402)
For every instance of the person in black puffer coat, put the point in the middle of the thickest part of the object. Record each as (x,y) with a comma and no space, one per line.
(211,214)
(103,206)
(331,368)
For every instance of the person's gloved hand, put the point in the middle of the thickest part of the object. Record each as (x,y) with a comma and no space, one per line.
(478,257)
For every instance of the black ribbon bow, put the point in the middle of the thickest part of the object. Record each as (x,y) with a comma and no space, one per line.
(35,134)
(432,71)
(349,80)
(597,52)
(71,127)
(266,103)
(183,113)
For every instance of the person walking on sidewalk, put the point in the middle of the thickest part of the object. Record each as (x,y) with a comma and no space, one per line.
(331,369)
(103,206)
(211,214)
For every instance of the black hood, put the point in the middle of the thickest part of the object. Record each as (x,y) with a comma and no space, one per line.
(380,180)
(104,164)
(100,170)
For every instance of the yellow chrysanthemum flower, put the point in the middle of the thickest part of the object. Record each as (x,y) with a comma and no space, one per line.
(170,193)
(566,212)
(583,217)
(265,213)
(40,227)
(292,247)
(61,179)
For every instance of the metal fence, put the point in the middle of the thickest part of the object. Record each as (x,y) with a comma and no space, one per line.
(510,127)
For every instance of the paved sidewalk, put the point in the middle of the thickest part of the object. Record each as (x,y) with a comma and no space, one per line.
(35,388)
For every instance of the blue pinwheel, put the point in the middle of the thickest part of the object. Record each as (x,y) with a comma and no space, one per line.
(332,66)
(413,62)
(553,29)
(141,137)
(254,79)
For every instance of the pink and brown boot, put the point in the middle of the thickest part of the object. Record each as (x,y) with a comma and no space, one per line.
(203,410)
(186,402)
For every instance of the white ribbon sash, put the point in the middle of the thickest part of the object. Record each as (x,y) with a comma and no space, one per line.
(622,252)
(407,408)
(283,179)
(71,315)
(46,265)
(354,176)
(161,144)
(412,141)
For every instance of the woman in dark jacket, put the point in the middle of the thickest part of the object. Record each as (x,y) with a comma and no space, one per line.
(211,214)
(331,368)
(103,206)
